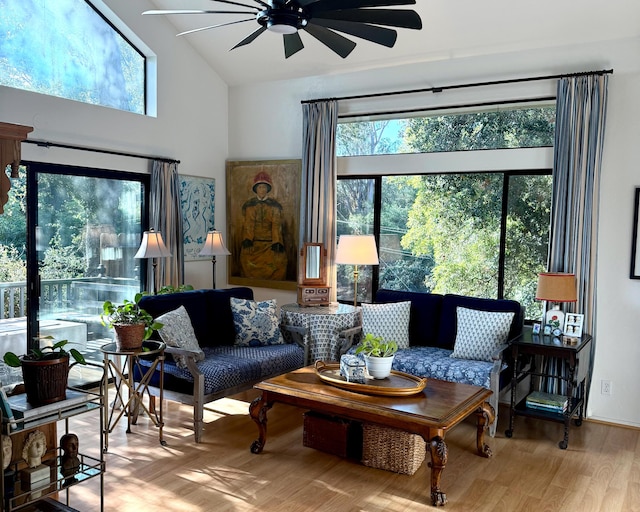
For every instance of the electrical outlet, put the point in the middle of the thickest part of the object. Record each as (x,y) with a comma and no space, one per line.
(605,387)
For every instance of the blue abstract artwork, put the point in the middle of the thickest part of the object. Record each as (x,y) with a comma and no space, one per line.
(197,198)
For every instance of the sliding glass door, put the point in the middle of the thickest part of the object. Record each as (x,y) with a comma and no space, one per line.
(83,227)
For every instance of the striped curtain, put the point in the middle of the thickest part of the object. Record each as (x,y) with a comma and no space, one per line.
(165,216)
(319,178)
(580,122)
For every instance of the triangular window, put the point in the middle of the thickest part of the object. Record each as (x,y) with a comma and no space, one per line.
(68,49)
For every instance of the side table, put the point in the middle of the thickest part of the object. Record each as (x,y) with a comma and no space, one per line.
(121,367)
(576,356)
(324,324)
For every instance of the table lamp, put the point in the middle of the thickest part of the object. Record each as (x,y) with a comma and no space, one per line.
(214,246)
(356,250)
(152,247)
(554,288)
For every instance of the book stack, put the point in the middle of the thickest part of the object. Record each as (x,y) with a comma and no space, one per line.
(547,402)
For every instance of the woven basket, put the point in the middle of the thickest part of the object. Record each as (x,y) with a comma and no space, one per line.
(392,449)
(129,336)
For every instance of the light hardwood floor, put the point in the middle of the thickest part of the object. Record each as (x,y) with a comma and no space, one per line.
(600,471)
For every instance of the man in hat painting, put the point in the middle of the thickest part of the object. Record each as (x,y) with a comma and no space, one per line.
(262,255)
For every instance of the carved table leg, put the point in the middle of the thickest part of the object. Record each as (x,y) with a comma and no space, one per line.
(439,454)
(258,412)
(486,416)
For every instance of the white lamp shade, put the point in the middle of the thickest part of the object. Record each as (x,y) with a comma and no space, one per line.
(152,246)
(357,250)
(214,245)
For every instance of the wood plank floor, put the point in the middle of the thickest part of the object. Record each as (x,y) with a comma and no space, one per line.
(600,471)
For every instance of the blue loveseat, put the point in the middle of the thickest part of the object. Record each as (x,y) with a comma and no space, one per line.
(432,335)
(227,368)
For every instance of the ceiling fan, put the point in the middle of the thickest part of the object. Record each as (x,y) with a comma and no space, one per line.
(323,19)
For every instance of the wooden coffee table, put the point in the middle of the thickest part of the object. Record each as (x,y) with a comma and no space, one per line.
(430,413)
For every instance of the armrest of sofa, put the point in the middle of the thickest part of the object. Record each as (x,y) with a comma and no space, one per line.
(300,336)
(349,337)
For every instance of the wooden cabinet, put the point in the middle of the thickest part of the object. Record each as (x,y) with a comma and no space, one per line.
(542,358)
(15,491)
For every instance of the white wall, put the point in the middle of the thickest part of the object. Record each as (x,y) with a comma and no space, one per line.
(190,126)
(265,121)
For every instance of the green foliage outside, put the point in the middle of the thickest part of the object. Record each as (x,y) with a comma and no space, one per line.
(442,232)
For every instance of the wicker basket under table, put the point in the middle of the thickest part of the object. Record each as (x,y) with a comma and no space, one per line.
(392,449)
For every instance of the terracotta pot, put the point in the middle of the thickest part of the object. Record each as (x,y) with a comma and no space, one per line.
(129,336)
(45,381)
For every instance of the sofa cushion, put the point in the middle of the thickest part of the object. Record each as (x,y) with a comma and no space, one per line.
(204,307)
(424,319)
(177,331)
(437,363)
(230,367)
(449,319)
(480,333)
(256,323)
(389,321)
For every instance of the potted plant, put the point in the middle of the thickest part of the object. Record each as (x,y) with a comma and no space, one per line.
(378,355)
(131,323)
(45,371)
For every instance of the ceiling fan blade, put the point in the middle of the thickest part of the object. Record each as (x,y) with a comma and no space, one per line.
(239,4)
(334,5)
(292,44)
(213,26)
(339,44)
(389,17)
(249,38)
(193,11)
(380,35)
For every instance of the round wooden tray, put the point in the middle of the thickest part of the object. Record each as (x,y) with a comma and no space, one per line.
(396,384)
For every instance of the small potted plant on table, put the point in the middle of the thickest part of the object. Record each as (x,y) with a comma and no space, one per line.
(45,371)
(378,355)
(131,323)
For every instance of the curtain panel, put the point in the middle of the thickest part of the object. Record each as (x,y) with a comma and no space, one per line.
(319,179)
(165,216)
(580,124)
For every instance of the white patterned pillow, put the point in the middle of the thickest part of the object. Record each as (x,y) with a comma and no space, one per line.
(390,321)
(480,333)
(177,331)
(256,323)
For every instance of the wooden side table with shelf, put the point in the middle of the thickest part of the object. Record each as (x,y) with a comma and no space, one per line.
(45,419)
(575,353)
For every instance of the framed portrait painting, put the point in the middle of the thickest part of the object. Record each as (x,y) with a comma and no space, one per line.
(197,200)
(263,219)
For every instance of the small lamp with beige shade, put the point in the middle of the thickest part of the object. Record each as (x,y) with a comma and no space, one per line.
(555,288)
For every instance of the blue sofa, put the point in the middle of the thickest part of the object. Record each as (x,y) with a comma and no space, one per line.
(432,334)
(226,369)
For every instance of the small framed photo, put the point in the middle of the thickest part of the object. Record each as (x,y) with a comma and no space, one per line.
(536,328)
(573,323)
(547,329)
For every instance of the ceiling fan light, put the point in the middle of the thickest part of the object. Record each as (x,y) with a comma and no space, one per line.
(281,28)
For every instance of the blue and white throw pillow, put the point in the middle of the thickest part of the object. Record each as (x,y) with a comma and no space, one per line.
(390,321)
(256,323)
(177,331)
(480,333)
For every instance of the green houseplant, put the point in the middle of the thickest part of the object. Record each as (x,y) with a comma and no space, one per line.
(45,371)
(378,355)
(131,323)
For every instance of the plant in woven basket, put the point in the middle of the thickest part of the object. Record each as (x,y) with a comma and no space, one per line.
(127,316)
(45,370)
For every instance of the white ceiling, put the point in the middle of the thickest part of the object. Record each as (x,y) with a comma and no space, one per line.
(451,29)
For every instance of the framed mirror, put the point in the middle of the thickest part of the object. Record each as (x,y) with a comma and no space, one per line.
(312,265)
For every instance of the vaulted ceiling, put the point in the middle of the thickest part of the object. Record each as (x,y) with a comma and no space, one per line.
(451,29)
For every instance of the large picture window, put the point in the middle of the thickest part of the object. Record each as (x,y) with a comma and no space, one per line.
(451,230)
(68,49)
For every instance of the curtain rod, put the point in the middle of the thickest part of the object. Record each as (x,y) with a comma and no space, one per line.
(461,86)
(47,144)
